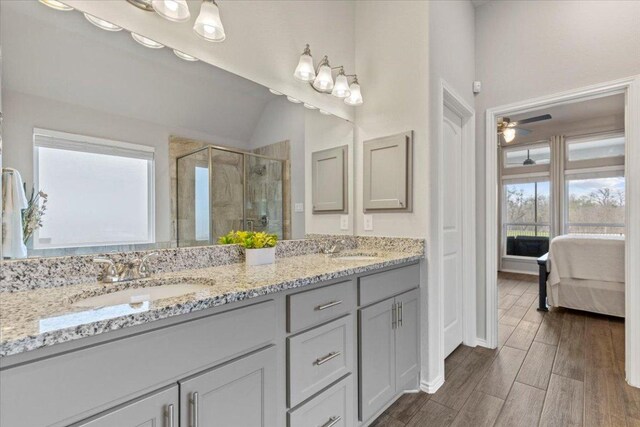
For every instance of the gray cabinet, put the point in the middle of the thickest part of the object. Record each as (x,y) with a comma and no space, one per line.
(158,410)
(387,167)
(389,353)
(240,393)
(329,180)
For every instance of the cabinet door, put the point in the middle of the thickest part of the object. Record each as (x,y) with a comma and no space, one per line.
(157,410)
(329,180)
(407,338)
(387,173)
(238,394)
(377,380)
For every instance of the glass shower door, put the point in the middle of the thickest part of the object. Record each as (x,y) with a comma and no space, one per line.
(227,192)
(263,195)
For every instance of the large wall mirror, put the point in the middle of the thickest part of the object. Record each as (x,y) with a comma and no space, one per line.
(131,147)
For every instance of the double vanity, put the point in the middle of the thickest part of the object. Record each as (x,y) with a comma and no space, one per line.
(312,340)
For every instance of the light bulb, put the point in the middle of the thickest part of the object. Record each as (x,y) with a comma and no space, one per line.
(55,4)
(509,134)
(355,98)
(146,42)
(173,10)
(185,56)
(341,88)
(101,23)
(304,70)
(208,25)
(324,80)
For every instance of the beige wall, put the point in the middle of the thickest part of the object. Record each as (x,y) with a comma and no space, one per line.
(528,49)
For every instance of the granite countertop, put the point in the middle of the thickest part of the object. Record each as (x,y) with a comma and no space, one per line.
(33,319)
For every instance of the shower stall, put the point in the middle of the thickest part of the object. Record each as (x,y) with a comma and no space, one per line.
(221,189)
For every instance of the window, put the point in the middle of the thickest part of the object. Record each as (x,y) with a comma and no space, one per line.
(596,147)
(595,204)
(202,203)
(536,155)
(526,223)
(100,191)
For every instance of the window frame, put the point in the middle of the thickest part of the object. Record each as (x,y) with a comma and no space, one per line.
(602,162)
(525,170)
(45,138)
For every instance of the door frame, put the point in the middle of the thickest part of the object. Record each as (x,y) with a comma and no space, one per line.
(629,86)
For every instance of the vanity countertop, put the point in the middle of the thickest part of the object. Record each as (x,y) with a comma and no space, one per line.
(39,318)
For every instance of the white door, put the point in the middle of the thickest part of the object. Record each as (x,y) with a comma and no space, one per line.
(452,229)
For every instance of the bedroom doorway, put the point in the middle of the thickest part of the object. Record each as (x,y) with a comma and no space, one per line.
(550,175)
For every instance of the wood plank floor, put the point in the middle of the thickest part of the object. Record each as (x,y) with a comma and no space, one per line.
(562,368)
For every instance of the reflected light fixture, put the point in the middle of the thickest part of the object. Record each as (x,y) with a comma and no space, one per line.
(55,4)
(146,42)
(294,100)
(355,98)
(341,88)
(305,71)
(142,4)
(173,10)
(509,134)
(101,23)
(325,113)
(185,56)
(321,78)
(310,107)
(275,92)
(208,25)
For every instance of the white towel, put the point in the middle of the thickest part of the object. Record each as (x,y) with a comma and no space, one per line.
(13,202)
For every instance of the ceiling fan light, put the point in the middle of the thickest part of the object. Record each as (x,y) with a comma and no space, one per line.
(305,70)
(101,23)
(55,4)
(509,134)
(185,56)
(341,88)
(324,80)
(173,10)
(355,98)
(208,25)
(146,42)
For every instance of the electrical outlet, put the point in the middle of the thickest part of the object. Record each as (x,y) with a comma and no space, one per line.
(344,222)
(368,222)
(299,207)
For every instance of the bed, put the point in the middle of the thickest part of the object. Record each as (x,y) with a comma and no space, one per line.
(584,272)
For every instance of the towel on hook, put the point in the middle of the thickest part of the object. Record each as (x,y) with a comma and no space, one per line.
(13,202)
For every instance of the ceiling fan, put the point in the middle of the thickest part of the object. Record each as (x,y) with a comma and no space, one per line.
(509,129)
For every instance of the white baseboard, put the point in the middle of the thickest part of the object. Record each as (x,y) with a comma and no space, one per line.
(431,387)
(482,343)
(528,273)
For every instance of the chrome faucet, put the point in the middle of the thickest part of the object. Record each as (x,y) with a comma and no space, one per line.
(336,248)
(121,272)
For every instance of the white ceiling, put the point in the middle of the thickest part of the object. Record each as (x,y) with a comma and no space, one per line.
(606,113)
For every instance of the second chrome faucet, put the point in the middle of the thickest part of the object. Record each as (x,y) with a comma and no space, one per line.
(114,272)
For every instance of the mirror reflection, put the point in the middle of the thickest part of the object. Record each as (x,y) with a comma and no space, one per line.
(109,145)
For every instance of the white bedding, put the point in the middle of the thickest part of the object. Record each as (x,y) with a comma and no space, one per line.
(587,273)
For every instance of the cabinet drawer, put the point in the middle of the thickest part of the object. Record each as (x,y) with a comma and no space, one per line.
(379,286)
(319,357)
(310,308)
(334,407)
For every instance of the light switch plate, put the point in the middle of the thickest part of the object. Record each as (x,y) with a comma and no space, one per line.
(368,222)
(344,222)
(299,207)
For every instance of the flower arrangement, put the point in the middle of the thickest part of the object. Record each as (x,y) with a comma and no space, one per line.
(249,239)
(32,215)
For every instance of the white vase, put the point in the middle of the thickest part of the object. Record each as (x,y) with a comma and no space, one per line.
(260,256)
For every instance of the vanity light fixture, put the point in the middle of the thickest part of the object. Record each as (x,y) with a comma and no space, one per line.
(275,92)
(208,25)
(321,78)
(55,4)
(173,10)
(185,56)
(146,42)
(294,100)
(101,23)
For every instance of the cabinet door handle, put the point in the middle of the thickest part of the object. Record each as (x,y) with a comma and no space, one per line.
(394,316)
(400,309)
(170,415)
(332,421)
(325,359)
(194,405)
(328,305)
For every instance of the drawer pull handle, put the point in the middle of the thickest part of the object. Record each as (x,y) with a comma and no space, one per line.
(328,305)
(194,404)
(325,359)
(394,316)
(332,421)
(170,415)
(400,308)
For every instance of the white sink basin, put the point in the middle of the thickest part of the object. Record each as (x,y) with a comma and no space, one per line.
(139,295)
(355,257)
